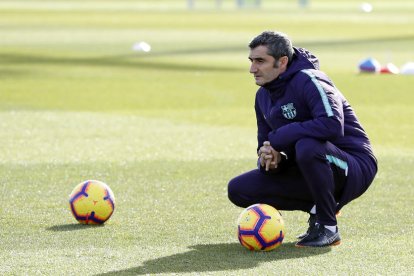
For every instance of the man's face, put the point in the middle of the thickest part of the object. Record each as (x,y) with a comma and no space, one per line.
(263,65)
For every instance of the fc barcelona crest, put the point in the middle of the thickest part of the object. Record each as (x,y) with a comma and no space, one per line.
(289,111)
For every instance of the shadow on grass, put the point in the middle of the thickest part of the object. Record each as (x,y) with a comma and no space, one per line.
(120,61)
(73,227)
(144,61)
(217,257)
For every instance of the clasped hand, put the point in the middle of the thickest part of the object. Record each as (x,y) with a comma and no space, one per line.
(268,156)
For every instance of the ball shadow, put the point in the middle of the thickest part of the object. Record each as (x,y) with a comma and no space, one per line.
(73,227)
(217,257)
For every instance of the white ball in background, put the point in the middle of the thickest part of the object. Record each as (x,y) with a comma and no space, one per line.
(141,46)
(366,7)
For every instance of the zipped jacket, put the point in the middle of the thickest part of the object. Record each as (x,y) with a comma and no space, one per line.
(304,103)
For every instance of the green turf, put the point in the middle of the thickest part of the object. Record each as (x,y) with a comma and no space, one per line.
(168,129)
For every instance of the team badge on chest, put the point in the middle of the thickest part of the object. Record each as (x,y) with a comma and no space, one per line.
(289,111)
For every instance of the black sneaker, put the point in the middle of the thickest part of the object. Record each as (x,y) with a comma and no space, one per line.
(319,236)
(312,222)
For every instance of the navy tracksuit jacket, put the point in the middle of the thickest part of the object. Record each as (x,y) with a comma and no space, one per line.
(330,159)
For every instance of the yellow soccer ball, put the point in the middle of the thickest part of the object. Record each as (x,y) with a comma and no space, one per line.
(261,228)
(92,202)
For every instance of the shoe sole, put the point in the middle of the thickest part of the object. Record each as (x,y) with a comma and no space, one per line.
(329,245)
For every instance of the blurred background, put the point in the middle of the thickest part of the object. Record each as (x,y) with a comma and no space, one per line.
(87,55)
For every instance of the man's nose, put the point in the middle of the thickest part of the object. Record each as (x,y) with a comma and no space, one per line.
(253,68)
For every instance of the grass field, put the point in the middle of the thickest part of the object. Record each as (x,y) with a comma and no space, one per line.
(168,129)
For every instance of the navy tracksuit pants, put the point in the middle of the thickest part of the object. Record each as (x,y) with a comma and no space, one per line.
(320,175)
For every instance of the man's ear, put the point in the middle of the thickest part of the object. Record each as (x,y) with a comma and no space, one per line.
(283,61)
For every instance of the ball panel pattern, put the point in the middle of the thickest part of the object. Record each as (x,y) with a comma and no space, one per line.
(92,202)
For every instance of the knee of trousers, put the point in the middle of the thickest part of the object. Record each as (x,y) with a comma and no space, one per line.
(309,149)
(233,193)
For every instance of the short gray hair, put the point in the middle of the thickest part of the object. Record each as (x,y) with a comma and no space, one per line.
(278,44)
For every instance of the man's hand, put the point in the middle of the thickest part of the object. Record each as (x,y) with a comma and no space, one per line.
(268,156)
(264,153)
